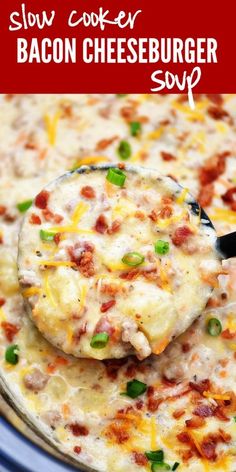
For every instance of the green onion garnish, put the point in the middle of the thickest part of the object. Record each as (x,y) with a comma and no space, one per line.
(155,456)
(99,340)
(161,247)
(214,327)
(175,466)
(24,206)
(121,95)
(46,235)
(235,419)
(133,259)
(124,150)
(11,354)
(159,466)
(116,177)
(135,388)
(135,128)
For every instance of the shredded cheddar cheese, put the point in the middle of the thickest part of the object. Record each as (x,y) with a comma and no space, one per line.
(216,396)
(51,126)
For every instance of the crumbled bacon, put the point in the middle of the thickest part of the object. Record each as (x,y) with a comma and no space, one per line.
(104,143)
(130,275)
(140,458)
(101,225)
(220,413)
(152,401)
(50,216)
(215,98)
(78,429)
(128,113)
(80,332)
(195,422)
(41,200)
(217,112)
(77,449)
(229,197)
(206,194)
(213,168)
(112,367)
(167,156)
(3,210)
(184,438)
(114,227)
(107,305)
(117,433)
(202,386)
(181,235)
(84,261)
(204,411)
(57,238)
(88,192)
(178,413)
(2,301)
(111,289)
(35,219)
(227,334)
(10,330)
(208,449)
(186,347)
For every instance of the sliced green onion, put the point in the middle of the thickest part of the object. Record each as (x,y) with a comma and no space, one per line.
(124,150)
(135,388)
(155,456)
(116,177)
(11,354)
(24,206)
(161,247)
(135,128)
(214,327)
(159,466)
(99,340)
(121,95)
(46,235)
(175,466)
(235,419)
(133,259)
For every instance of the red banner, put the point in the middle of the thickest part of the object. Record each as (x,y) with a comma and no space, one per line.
(136,46)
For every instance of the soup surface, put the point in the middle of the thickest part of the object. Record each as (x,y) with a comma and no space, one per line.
(108,414)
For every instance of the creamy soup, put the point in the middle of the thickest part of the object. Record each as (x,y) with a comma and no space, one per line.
(114,414)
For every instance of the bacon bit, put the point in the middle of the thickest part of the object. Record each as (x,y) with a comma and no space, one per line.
(206,194)
(104,143)
(186,347)
(114,227)
(167,156)
(78,429)
(227,334)
(215,98)
(128,112)
(112,367)
(139,404)
(35,219)
(220,413)
(111,289)
(229,197)
(218,113)
(208,449)
(203,385)
(131,371)
(41,199)
(180,235)
(77,449)
(87,192)
(57,238)
(178,413)
(140,215)
(184,438)
(204,411)
(3,210)
(107,305)
(213,302)
(101,225)
(213,168)
(117,433)
(130,275)
(121,165)
(152,401)
(2,301)
(104,326)
(139,458)
(224,436)
(10,330)
(50,216)
(186,455)
(84,262)
(153,215)
(81,331)
(196,422)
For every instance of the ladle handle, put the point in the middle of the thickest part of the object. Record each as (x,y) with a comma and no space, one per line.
(226,245)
